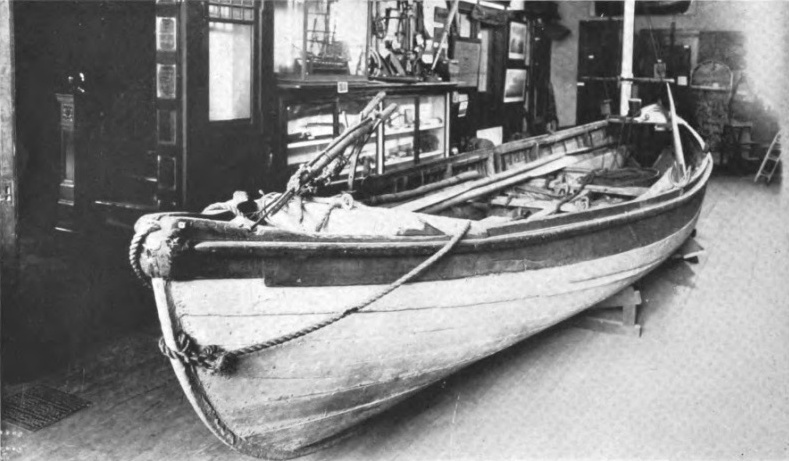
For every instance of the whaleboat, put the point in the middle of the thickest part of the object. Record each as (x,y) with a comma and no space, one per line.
(291,318)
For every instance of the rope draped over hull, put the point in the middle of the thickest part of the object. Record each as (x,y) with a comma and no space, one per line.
(309,176)
(216,360)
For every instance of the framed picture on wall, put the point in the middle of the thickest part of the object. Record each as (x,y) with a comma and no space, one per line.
(467,53)
(515,85)
(518,36)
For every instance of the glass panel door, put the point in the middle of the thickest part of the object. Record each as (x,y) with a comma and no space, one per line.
(310,130)
(399,133)
(230,60)
(432,127)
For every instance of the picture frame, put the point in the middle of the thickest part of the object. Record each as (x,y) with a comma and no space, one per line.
(518,41)
(467,52)
(515,83)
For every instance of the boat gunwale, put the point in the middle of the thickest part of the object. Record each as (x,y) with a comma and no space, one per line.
(509,147)
(507,234)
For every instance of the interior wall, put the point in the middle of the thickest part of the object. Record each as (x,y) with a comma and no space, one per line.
(71,292)
(745,16)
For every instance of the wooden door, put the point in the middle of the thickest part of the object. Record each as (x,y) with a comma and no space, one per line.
(599,55)
(8,175)
(224,133)
(542,106)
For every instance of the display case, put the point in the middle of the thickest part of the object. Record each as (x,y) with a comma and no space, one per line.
(320,39)
(417,132)
(310,129)
(312,125)
(348,110)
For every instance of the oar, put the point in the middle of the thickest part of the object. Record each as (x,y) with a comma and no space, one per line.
(680,156)
(445,33)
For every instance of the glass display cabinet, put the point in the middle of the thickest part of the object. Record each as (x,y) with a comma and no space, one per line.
(416,133)
(310,129)
(324,39)
(348,110)
(312,126)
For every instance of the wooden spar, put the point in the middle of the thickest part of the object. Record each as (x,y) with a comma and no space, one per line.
(558,164)
(357,133)
(627,56)
(526,188)
(420,191)
(531,203)
(317,166)
(630,191)
(445,33)
(680,156)
(445,195)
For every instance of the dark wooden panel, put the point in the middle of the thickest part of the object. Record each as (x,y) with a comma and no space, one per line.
(8,169)
(599,51)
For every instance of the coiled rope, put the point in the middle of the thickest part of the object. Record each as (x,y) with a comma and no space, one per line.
(217,360)
(135,250)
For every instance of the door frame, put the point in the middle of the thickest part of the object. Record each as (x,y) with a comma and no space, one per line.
(9,180)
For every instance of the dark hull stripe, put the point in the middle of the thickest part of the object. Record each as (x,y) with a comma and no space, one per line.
(566,240)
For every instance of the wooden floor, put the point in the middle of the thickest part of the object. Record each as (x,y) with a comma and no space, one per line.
(708,378)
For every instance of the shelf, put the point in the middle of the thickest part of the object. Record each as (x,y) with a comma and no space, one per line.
(401,131)
(308,143)
(389,161)
(427,155)
(298,159)
(317,142)
(355,82)
(398,131)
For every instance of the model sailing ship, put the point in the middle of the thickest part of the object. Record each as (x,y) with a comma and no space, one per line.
(291,318)
(324,53)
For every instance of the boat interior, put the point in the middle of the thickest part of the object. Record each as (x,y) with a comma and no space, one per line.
(584,169)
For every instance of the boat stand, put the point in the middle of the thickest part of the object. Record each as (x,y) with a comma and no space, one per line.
(605,316)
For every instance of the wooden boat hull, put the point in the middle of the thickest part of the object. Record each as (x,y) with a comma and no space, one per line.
(490,293)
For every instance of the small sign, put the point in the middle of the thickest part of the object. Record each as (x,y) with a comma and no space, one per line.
(342,87)
(165,81)
(462,109)
(682,80)
(165,34)
(166,126)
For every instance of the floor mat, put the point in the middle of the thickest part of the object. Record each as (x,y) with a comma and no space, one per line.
(40,406)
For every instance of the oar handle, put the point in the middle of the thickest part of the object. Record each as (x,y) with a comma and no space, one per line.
(386,113)
(372,104)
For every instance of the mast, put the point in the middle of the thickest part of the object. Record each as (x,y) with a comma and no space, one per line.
(626,82)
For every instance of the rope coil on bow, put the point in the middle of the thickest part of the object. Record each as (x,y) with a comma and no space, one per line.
(135,250)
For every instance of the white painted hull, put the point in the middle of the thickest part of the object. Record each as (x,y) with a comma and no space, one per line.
(294,396)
